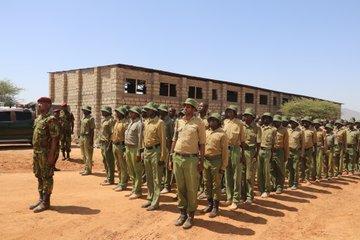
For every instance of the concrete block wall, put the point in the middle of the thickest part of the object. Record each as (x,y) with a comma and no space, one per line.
(104,86)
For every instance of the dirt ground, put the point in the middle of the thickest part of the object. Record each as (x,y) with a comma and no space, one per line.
(82,209)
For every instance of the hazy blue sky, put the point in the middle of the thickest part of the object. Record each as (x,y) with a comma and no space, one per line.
(309,47)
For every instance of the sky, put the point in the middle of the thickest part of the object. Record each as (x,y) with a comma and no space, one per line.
(307,47)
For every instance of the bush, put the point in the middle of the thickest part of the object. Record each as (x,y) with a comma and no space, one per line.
(301,107)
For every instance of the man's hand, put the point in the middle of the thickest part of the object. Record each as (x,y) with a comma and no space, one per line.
(170,165)
(200,166)
(221,172)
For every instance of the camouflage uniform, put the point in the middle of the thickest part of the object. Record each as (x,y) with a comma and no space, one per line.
(66,122)
(87,127)
(45,128)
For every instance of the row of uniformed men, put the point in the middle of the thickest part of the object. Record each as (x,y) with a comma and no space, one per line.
(191,145)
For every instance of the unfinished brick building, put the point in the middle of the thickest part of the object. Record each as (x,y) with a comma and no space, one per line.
(119,84)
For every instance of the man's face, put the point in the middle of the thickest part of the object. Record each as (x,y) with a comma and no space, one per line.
(119,115)
(163,114)
(203,107)
(133,115)
(172,112)
(189,110)
(44,107)
(285,124)
(277,124)
(293,124)
(86,113)
(57,114)
(230,113)
(266,120)
(317,126)
(104,114)
(305,124)
(213,123)
(248,119)
(150,113)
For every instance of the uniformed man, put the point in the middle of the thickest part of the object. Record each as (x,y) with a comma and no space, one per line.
(155,154)
(67,128)
(308,156)
(107,125)
(234,130)
(187,158)
(216,159)
(329,152)
(280,154)
(352,143)
(45,142)
(169,133)
(339,148)
(133,143)
(118,140)
(357,124)
(57,152)
(172,113)
(268,134)
(296,150)
(285,122)
(87,127)
(250,145)
(203,114)
(320,148)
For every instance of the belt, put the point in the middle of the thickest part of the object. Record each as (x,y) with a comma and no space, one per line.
(213,157)
(153,147)
(119,143)
(265,148)
(231,147)
(246,147)
(186,155)
(130,145)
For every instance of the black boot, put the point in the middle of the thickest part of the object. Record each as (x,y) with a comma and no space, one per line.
(63,154)
(215,210)
(182,218)
(189,221)
(44,205)
(38,202)
(68,155)
(209,207)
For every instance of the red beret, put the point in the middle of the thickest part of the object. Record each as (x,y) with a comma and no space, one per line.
(64,104)
(44,100)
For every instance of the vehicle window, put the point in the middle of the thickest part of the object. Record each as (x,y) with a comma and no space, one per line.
(5,117)
(22,116)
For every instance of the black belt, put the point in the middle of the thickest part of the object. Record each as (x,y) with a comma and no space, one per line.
(265,148)
(153,147)
(246,147)
(186,155)
(213,157)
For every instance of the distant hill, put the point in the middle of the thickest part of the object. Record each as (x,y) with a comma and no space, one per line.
(347,114)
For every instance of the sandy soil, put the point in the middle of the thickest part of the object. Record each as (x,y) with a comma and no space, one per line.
(82,209)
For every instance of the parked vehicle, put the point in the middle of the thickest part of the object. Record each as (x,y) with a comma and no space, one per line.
(16,125)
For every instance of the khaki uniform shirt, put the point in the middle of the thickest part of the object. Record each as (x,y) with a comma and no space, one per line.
(154,134)
(296,139)
(234,130)
(320,138)
(217,145)
(330,141)
(340,137)
(310,138)
(134,134)
(188,135)
(120,127)
(282,140)
(252,135)
(352,138)
(268,134)
(87,125)
(106,129)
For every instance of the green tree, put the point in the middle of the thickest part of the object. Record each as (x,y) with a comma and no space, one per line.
(301,107)
(8,92)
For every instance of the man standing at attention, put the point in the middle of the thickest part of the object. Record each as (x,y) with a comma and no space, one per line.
(45,143)
(87,127)
(187,158)
(67,128)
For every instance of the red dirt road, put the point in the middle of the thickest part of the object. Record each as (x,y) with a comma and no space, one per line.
(82,209)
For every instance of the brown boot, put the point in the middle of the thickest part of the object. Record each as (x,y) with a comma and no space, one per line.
(38,202)
(189,221)
(209,207)
(182,218)
(215,210)
(44,205)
